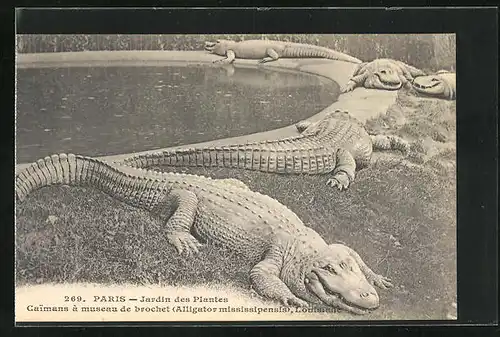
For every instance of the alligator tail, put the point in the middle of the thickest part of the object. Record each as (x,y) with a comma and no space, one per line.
(263,157)
(238,156)
(318,52)
(76,170)
(390,143)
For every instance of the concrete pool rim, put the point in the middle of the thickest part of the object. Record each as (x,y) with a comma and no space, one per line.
(361,103)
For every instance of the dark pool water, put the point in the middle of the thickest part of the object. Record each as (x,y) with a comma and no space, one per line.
(112,110)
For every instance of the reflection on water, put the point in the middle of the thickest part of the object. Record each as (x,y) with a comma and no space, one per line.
(112,110)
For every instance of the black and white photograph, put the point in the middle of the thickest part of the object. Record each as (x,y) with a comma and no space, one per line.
(235,177)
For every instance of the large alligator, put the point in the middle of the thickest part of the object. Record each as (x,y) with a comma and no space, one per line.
(386,74)
(337,144)
(292,263)
(269,50)
(442,84)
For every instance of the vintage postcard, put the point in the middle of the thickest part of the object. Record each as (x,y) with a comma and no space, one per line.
(237,177)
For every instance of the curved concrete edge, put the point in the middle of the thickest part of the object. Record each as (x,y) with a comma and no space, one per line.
(178,58)
(361,103)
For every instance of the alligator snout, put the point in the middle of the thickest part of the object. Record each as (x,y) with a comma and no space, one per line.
(209,46)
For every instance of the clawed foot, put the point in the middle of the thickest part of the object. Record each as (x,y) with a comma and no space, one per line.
(348,87)
(381,281)
(295,301)
(341,181)
(265,60)
(223,61)
(184,242)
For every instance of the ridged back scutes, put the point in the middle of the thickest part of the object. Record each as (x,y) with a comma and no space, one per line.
(145,188)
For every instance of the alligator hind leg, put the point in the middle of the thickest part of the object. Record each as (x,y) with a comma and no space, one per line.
(266,282)
(344,172)
(181,205)
(272,56)
(378,280)
(230,56)
(303,125)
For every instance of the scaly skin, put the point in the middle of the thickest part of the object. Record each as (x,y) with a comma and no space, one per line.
(337,145)
(268,51)
(292,263)
(442,84)
(385,74)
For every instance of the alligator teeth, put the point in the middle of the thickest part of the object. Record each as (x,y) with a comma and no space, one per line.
(425,86)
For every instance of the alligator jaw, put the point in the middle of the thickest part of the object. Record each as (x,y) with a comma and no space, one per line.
(388,85)
(433,88)
(316,284)
(209,46)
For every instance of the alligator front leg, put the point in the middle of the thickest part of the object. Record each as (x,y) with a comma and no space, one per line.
(344,171)
(181,205)
(358,77)
(376,279)
(272,56)
(266,282)
(405,77)
(410,70)
(354,82)
(230,57)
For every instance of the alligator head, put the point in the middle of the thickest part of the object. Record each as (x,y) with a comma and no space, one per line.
(333,278)
(440,84)
(218,47)
(384,75)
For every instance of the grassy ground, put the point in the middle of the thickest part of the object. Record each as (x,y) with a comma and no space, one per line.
(399,216)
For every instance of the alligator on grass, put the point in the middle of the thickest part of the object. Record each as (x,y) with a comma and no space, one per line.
(385,74)
(442,84)
(338,145)
(291,262)
(269,50)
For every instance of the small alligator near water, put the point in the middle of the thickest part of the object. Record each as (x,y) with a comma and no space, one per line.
(292,263)
(385,74)
(269,50)
(442,84)
(337,144)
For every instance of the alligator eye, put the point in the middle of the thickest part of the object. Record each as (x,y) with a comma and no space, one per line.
(364,294)
(343,265)
(330,269)
(382,71)
(434,80)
